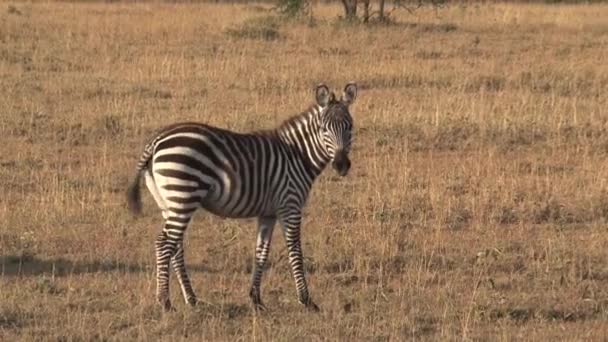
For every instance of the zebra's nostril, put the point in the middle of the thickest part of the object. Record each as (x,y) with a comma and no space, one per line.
(342,165)
(343,171)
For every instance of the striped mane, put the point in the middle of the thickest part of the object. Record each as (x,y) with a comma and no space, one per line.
(289,122)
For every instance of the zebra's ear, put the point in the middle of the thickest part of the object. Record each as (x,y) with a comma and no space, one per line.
(323,95)
(350,93)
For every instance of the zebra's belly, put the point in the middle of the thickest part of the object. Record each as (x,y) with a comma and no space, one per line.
(231,212)
(222,212)
(230,202)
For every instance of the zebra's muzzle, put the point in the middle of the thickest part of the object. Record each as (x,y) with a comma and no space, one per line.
(341,163)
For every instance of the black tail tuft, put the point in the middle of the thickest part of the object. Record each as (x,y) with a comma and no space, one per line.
(134,196)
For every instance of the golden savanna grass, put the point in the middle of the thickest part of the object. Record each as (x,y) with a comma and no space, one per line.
(476,207)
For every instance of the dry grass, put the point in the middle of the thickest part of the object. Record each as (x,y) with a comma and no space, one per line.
(476,208)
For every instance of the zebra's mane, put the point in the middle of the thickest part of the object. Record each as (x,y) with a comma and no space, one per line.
(290,122)
(309,113)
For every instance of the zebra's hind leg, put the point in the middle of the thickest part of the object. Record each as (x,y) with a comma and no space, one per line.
(167,244)
(179,267)
(163,251)
(262,248)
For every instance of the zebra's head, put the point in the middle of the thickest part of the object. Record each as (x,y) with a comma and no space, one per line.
(336,125)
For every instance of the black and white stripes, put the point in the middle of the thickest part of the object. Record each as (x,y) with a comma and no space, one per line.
(265,174)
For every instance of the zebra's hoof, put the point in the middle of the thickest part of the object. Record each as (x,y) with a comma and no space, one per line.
(256,300)
(312,307)
(166,305)
(192,301)
(259,307)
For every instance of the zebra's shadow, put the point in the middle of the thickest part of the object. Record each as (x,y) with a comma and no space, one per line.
(29,265)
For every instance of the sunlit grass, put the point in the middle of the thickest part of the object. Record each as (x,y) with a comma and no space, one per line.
(476,207)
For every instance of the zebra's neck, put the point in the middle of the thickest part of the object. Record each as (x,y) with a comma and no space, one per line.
(302,134)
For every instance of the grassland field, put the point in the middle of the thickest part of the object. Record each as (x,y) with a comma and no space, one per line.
(476,208)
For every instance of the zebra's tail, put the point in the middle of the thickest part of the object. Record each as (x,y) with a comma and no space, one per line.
(134,196)
(133,191)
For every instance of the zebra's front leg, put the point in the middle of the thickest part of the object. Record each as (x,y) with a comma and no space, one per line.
(262,249)
(291,229)
(179,267)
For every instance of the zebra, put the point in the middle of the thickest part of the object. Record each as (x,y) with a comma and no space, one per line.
(266,174)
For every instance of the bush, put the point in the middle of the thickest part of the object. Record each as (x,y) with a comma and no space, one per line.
(292,8)
(264,28)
